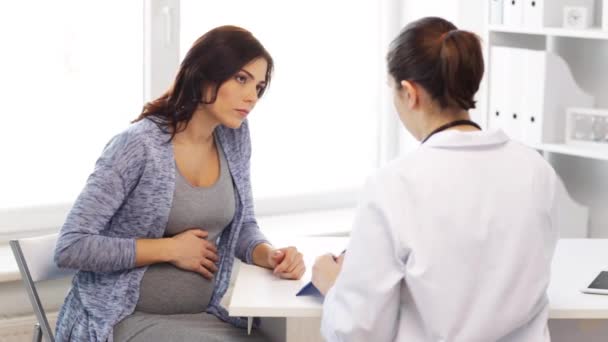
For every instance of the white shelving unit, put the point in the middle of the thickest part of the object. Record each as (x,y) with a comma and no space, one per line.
(592,33)
(571,150)
(554,40)
(572,68)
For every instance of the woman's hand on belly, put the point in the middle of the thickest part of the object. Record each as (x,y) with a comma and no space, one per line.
(191,252)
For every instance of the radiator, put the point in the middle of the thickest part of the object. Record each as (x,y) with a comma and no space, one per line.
(20,329)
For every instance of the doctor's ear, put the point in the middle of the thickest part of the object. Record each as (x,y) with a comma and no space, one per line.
(410,93)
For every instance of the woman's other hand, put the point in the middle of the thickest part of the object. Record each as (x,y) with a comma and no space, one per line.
(287,263)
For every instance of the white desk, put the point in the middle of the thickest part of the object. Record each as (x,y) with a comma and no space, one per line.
(576,263)
(286,317)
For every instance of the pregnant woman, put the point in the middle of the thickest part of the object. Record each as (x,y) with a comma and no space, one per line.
(168,206)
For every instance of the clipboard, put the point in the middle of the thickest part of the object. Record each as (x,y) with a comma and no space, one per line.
(309,290)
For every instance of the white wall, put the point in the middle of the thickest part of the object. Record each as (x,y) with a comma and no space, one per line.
(447,9)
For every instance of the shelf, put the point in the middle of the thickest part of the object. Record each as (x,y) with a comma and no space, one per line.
(593,33)
(594,153)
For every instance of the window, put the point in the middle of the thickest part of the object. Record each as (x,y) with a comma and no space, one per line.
(71,79)
(77,73)
(316,129)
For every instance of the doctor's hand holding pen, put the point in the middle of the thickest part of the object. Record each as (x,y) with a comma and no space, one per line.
(325,271)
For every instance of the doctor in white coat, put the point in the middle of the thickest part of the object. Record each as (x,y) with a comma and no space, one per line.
(454,241)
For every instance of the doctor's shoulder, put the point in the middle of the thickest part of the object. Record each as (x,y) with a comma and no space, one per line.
(529,157)
(526,160)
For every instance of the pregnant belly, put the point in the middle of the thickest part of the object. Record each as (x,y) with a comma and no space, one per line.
(168,290)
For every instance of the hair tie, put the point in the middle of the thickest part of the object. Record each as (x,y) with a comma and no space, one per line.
(445,34)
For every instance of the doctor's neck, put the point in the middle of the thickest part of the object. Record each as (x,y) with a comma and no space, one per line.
(433,119)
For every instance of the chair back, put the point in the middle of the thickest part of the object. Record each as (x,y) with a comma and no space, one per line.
(34,257)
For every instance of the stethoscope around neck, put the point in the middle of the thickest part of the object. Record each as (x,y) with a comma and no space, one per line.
(450,125)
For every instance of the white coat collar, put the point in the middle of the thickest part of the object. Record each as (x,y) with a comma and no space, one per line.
(453,138)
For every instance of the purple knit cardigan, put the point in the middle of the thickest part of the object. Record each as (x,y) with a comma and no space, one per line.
(127,197)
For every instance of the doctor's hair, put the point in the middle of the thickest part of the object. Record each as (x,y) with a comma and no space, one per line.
(213,59)
(447,62)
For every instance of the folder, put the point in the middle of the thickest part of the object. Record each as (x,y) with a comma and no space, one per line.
(515,101)
(506,79)
(534,13)
(496,12)
(309,290)
(498,88)
(530,90)
(513,12)
(533,96)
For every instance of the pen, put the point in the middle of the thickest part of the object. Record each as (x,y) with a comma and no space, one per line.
(336,258)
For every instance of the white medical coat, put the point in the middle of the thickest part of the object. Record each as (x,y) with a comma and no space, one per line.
(451,243)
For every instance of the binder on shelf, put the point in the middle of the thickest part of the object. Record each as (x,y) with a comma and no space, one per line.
(506,91)
(530,90)
(499,90)
(496,12)
(515,104)
(535,69)
(513,12)
(534,13)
